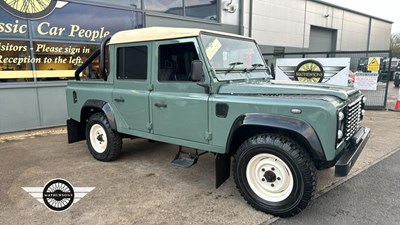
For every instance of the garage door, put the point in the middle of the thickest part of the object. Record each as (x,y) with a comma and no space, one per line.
(322,39)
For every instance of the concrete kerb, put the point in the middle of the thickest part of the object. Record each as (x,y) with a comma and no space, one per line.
(32,133)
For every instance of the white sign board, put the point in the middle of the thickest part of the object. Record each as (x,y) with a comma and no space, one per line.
(317,70)
(366,81)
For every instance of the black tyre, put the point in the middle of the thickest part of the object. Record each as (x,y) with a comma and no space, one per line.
(103,142)
(274,174)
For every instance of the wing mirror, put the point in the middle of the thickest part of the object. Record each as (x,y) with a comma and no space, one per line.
(197,75)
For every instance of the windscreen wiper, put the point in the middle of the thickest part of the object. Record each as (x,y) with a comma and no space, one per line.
(232,65)
(254,66)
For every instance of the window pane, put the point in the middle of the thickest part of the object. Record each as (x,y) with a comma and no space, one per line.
(132,63)
(175,61)
(58,61)
(166,6)
(15,61)
(205,9)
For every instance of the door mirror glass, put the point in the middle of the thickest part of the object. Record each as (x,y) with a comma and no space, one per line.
(197,73)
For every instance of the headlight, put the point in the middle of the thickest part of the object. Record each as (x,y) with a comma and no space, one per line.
(341,116)
(340,128)
(339,134)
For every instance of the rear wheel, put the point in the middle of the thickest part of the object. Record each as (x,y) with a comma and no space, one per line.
(103,142)
(274,174)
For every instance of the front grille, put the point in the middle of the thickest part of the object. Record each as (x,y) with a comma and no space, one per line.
(353,118)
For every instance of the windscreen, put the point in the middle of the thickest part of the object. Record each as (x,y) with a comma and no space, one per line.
(234,58)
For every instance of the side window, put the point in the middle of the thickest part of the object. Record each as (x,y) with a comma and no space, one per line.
(175,61)
(132,63)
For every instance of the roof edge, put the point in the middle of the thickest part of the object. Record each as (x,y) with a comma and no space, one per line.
(351,10)
(162,33)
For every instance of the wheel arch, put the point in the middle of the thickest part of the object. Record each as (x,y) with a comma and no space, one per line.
(76,129)
(248,125)
(94,106)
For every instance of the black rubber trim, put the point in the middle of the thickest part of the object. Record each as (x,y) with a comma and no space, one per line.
(298,126)
(105,107)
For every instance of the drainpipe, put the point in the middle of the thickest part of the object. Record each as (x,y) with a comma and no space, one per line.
(241,15)
(369,33)
(251,18)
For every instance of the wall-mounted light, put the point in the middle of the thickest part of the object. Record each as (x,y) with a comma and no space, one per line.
(326,15)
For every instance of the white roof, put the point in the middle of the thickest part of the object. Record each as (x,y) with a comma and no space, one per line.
(160,33)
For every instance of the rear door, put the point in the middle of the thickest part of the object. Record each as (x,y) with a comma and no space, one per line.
(131,92)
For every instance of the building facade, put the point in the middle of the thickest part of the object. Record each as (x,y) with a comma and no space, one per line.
(42,42)
(312,25)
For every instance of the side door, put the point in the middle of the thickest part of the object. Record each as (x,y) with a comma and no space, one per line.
(179,107)
(131,90)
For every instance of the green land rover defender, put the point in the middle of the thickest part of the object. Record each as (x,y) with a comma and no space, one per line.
(213,92)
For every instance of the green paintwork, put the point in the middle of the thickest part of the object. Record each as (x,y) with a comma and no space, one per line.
(189,117)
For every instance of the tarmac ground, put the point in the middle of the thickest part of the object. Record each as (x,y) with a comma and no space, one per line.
(142,187)
(371,197)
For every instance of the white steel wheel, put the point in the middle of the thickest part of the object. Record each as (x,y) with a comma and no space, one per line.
(103,142)
(274,174)
(98,138)
(269,177)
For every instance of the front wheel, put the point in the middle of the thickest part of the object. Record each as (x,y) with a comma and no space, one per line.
(103,142)
(274,174)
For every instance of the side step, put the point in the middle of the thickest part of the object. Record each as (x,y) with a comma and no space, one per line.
(186,159)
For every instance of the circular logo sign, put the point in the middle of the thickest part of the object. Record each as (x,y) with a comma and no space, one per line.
(58,195)
(29,9)
(309,71)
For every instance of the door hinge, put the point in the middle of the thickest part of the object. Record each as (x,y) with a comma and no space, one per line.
(150,87)
(208,136)
(149,126)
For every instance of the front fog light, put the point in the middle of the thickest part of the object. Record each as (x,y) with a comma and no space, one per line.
(340,134)
(363,112)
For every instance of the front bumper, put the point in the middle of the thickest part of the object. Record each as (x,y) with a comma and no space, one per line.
(351,153)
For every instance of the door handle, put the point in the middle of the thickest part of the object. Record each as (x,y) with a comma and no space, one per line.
(120,99)
(160,105)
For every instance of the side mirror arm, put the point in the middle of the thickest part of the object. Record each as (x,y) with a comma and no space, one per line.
(205,86)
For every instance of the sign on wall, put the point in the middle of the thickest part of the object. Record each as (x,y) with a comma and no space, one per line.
(314,70)
(61,20)
(47,40)
(29,9)
(374,63)
(366,81)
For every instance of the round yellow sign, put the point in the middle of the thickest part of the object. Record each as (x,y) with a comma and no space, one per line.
(309,71)
(29,9)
